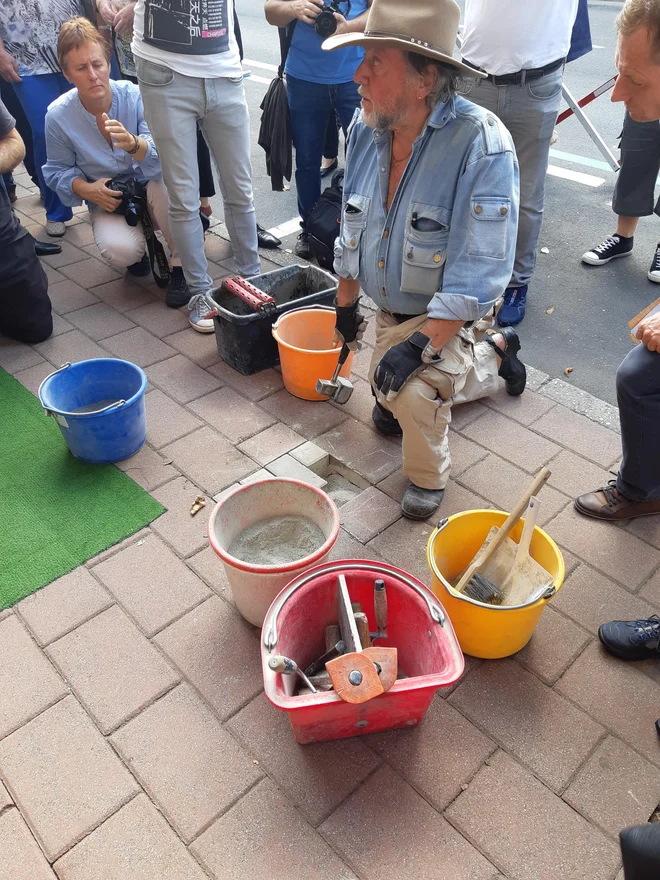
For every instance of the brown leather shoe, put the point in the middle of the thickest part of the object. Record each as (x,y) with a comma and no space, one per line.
(609,504)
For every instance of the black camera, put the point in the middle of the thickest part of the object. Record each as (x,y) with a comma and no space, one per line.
(326,23)
(133,200)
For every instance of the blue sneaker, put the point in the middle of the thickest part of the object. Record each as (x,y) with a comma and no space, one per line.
(513,307)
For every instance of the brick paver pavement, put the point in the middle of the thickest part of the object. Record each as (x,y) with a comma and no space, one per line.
(135,739)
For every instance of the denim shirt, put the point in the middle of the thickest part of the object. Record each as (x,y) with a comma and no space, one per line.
(76,147)
(447,244)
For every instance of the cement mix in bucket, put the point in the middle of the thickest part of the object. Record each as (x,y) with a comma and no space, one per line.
(277,540)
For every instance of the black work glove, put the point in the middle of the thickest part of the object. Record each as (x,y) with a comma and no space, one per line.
(350,325)
(396,366)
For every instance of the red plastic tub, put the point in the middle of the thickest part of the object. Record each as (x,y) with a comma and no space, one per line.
(418,627)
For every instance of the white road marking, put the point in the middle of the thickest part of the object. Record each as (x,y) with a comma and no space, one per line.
(576,176)
(248,62)
(580,160)
(260,79)
(287,228)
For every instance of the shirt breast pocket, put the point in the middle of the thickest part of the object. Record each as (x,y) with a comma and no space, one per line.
(425,248)
(489,226)
(353,225)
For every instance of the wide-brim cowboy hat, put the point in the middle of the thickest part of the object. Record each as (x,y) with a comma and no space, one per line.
(427,27)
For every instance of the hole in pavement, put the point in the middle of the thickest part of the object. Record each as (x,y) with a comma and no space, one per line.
(344,484)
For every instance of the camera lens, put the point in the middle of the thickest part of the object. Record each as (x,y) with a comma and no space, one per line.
(326,24)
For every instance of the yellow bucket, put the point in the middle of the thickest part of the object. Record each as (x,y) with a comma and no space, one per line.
(487,631)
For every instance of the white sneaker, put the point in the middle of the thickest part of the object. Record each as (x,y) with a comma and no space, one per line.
(55,228)
(201,314)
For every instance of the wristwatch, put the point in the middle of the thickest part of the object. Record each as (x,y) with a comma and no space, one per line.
(136,146)
(429,353)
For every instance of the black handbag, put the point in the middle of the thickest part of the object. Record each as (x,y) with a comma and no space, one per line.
(324,220)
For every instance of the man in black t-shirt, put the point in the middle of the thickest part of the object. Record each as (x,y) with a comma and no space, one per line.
(25,309)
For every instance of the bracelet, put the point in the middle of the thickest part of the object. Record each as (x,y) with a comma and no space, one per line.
(135,148)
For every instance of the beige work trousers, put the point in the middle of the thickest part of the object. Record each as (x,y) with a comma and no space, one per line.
(467,371)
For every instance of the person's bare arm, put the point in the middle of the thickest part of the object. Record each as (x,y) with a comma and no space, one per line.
(282,12)
(12,151)
(8,66)
(347,291)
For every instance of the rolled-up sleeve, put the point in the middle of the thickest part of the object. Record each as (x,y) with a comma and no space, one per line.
(482,237)
(150,165)
(340,264)
(60,170)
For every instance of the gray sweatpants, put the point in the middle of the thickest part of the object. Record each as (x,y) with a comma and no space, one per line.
(638,396)
(173,104)
(529,111)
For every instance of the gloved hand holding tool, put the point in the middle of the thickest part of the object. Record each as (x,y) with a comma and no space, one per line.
(350,325)
(338,388)
(401,362)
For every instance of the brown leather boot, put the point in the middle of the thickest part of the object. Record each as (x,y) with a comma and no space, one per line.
(609,504)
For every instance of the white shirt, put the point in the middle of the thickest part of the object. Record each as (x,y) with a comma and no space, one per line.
(185,25)
(505,36)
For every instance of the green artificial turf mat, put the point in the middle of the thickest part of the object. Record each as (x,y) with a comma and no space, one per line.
(56,512)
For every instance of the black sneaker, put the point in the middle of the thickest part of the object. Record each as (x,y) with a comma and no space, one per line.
(140,269)
(178,293)
(614,246)
(654,272)
(632,639)
(512,370)
(385,422)
(302,248)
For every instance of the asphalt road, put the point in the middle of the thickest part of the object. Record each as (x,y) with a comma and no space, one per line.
(586,329)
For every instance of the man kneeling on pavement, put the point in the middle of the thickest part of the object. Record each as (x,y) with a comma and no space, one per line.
(428,231)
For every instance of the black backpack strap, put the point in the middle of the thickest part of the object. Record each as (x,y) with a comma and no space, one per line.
(157,259)
(286,36)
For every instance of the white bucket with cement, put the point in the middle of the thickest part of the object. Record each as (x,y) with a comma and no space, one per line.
(255,584)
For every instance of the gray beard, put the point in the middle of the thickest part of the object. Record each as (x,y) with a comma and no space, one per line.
(377,120)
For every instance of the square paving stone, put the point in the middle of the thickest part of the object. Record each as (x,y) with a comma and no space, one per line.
(528,719)
(386,830)
(264,836)
(166,420)
(28,682)
(139,347)
(148,468)
(209,460)
(404,545)
(5,800)
(615,788)
(591,599)
(553,647)
(437,757)
(90,273)
(316,778)
(524,409)
(502,484)
(181,379)
(16,356)
(307,417)
(511,441)
(254,387)
(369,513)
(99,321)
(198,347)
(67,296)
(574,475)
(134,844)
(123,294)
(208,565)
(580,434)
(68,255)
(34,376)
(526,830)
(183,532)
(271,443)
(605,546)
(20,856)
(65,776)
(159,320)
(651,590)
(112,667)
(619,695)
(231,414)
(70,347)
(362,449)
(152,583)
(63,605)
(218,652)
(192,768)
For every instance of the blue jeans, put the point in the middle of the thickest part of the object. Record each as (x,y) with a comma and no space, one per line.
(311,106)
(35,94)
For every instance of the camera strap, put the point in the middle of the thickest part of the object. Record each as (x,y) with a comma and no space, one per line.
(157,259)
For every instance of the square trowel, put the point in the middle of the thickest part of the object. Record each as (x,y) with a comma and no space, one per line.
(337,388)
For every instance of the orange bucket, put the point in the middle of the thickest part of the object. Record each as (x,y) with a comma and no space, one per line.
(304,339)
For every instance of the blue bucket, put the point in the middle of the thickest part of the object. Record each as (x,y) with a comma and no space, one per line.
(99,407)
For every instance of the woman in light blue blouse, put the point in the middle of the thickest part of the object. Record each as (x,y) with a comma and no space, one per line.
(97,132)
